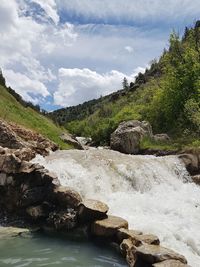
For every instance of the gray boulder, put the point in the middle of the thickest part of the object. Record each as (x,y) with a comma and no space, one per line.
(164,138)
(126,138)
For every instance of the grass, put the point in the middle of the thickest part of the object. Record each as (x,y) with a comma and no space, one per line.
(175,144)
(13,111)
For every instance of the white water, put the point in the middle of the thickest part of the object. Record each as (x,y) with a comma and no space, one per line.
(154,194)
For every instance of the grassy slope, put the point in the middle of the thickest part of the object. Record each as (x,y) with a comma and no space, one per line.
(13,111)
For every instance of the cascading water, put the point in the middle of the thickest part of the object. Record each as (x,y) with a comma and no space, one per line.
(155,194)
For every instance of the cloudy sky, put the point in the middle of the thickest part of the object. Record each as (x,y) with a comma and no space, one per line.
(59,53)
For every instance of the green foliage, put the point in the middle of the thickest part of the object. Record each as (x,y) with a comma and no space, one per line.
(12,111)
(167,95)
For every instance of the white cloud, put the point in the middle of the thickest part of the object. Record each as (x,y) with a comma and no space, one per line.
(24,85)
(135,11)
(129,49)
(49,6)
(79,85)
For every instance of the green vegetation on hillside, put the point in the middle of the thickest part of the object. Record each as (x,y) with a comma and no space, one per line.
(167,95)
(12,111)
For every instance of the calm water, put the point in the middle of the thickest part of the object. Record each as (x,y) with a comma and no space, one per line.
(39,250)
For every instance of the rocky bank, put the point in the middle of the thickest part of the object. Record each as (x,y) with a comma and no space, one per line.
(34,195)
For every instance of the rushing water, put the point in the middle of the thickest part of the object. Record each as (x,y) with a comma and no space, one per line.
(155,195)
(39,251)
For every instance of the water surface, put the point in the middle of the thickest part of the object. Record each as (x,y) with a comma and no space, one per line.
(39,250)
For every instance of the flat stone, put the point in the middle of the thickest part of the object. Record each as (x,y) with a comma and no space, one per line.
(123,233)
(170,263)
(91,210)
(108,227)
(7,232)
(154,254)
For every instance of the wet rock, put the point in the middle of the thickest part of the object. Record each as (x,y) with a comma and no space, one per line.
(66,197)
(170,263)
(91,210)
(62,220)
(7,232)
(128,251)
(123,233)
(154,254)
(126,138)
(192,162)
(108,227)
(196,179)
(69,139)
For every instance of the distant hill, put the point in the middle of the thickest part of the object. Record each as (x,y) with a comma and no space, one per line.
(167,95)
(14,109)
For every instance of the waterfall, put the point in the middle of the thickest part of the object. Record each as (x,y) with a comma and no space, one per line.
(155,194)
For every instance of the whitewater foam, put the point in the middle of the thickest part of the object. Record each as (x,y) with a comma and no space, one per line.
(155,194)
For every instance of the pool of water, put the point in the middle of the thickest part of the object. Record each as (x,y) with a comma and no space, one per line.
(41,250)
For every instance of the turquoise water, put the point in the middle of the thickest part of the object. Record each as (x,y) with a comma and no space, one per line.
(39,250)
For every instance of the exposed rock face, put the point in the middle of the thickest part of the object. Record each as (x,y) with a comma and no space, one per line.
(154,254)
(170,263)
(69,139)
(123,233)
(108,227)
(13,136)
(192,162)
(66,197)
(90,210)
(164,138)
(126,138)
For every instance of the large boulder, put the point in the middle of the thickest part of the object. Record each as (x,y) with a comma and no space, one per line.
(108,227)
(126,138)
(91,210)
(153,254)
(69,139)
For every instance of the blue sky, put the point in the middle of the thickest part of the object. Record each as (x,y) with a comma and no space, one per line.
(59,53)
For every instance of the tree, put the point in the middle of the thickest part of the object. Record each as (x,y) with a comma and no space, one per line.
(125,83)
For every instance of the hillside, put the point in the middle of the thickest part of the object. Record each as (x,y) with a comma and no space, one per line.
(167,95)
(13,111)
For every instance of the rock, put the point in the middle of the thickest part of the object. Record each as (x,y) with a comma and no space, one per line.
(66,197)
(170,263)
(8,138)
(27,143)
(7,232)
(36,212)
(154,254)
(62,220)
(192,162)
(84,141)
(128,244)
(108,227)
(137,238)
(9,163)
(123,233)
(69,139)
(91,210)
(128,251)
(196,179)
(164,138)
(126,138)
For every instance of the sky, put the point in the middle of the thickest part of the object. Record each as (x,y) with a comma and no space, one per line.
(59,53)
